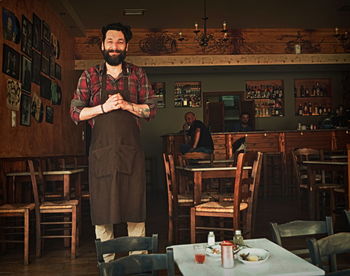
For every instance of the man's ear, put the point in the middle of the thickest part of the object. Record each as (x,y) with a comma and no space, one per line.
(127,47)
(102,46)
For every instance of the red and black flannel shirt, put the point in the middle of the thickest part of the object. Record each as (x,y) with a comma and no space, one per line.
(88,92)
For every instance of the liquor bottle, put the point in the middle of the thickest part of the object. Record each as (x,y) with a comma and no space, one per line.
(310,108)
(318,89)
(302,91)
(305,109)
(300,110)
(307,92)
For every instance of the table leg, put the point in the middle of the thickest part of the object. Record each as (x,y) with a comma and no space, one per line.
(66,196)
(312,191)
(197,189)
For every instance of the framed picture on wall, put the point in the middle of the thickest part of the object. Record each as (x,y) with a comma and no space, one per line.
(55,93)
(26,40)
(37,109)
(36,65)
(45,87)
(10,26)
(46,32)
(57,71)
(52,67)
(36,40)
(26,74)
(26,104)
(49,114)
(10,62)
(159,90)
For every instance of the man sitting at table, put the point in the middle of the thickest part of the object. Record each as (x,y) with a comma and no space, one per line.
(197,136)
(243,124)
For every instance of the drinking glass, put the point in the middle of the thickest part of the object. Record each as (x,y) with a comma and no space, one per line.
(199,253)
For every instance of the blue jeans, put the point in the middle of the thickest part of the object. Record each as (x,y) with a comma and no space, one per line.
(184,148)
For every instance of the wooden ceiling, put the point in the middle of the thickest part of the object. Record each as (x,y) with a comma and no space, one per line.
(80,15)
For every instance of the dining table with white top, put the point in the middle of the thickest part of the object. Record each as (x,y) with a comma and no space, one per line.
(280,262)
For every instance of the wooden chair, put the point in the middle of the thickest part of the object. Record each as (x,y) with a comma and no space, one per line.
(124,245)
(324,184)
(328,247)
(300,228)
(178,203)
(51,225)
(141,264)
(9,214)
(242,209)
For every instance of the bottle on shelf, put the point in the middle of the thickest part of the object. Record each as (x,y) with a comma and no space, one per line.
(211,238)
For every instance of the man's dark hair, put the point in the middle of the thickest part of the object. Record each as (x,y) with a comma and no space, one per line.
(125,29)
(244,113)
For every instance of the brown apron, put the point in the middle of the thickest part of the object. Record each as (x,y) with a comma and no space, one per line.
(117,165)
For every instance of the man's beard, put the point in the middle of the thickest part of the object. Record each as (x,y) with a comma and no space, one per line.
(115,59)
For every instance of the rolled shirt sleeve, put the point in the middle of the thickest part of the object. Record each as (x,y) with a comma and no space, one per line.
(80,98)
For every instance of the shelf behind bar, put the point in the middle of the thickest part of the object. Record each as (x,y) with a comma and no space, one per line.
(226,60)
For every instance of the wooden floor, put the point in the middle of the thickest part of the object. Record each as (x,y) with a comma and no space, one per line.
(56,260)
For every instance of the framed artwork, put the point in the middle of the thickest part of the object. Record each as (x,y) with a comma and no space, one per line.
(52,67)
(46,34)
(10,62)
(10,26)
(46,50)
(36,40)
(26,40)
(45,65)
(26,74)
(56,95)
(49,114)
(187,94)
(159,91)
(45,87)
(26,105)
(37,109)
(55,46)
(36,65)
(57,71)
(13,98)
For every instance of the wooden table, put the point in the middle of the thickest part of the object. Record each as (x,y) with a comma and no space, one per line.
(319,165)
(66,176)
(281,262)
(198,173)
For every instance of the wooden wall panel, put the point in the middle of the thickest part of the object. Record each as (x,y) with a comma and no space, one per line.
(42,139)
(243,41)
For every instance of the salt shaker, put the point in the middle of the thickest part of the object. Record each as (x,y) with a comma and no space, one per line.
(211,238)
(227,254)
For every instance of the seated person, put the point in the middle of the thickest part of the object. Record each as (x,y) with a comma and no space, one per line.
(200,137)
(243,124)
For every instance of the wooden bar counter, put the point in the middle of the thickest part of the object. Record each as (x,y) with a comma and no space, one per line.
(271,143)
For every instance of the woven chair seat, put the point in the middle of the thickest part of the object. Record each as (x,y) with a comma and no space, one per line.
(59,204)
(16,207)
(219,207)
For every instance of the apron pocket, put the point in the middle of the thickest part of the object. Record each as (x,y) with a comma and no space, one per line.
(104,161)
(125,158)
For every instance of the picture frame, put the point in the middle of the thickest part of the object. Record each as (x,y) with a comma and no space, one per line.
(45,65)
(10,62)
(49,114)
(46,33)
(56,94)
(26,74)
(37,109)
(52,67)
(57,71)
(36,67)
(159,91)
(187,94)
(36,40)
(13,98)
(26,40)
(45,87)
(10,26)
(26,104)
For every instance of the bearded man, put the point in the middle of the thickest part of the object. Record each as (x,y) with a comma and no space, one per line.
(113,96)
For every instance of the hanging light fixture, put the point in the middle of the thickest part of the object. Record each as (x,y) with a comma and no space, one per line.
(204,38)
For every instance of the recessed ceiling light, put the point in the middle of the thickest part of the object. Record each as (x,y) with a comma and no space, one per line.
(132,12)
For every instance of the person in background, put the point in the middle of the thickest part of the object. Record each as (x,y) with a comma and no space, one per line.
(197,136)
(243,125)
(113,96)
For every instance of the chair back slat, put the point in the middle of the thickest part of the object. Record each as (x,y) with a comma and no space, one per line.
(3,193)
(126,244)
(135,264)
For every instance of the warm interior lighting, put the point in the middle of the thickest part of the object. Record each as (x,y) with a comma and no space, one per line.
(133,12)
